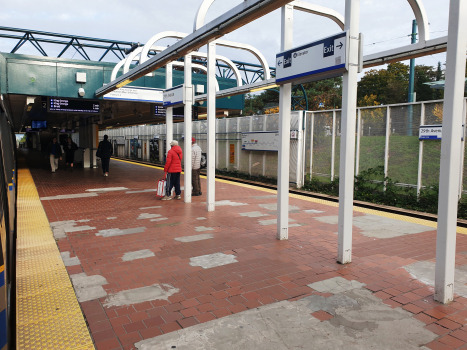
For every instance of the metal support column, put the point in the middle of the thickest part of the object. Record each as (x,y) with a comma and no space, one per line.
(211,128)
(311,143)
(420,152)
(169,112)
(386,143)
(333,144)
(188,128)
(450,151)
(284,132)
(359,132)
(347,145)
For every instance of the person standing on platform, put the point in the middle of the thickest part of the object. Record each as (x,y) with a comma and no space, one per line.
(104,152)
(54,150)
(196,168)
(70,149)
(173,168)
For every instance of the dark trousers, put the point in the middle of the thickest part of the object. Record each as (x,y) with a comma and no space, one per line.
(173,180)
(105,164)
(195,181)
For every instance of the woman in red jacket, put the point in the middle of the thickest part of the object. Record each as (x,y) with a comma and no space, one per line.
(173,168)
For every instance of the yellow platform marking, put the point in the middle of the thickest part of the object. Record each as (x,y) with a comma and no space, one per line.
(48,313)
(461,230)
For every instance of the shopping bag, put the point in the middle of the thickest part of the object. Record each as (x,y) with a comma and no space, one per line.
(161,188)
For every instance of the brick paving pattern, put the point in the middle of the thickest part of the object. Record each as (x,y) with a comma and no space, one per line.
(267,270)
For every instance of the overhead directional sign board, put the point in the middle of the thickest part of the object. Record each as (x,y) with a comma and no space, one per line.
(174,96)
(135,93)
(322,59)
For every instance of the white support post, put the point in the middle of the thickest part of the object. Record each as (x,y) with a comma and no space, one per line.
(386,146)
(239,144)
(302,136)
(347,146)
(312,129)
(450,152)
(265,121)
(461,172)
(333,143)
(188,128)
(211,128)
(249,152)
(359,130)
(284,132)
(300,158)
(420,152)
(169,113)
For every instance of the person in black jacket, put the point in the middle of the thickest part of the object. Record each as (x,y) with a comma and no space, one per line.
(70,148)
(54,151)
(104,152)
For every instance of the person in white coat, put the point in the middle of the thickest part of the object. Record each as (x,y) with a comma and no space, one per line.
(196,167)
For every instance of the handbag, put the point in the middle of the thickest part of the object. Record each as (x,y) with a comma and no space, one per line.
(161,187)
(98,152)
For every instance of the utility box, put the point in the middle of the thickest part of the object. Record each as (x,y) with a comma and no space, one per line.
(80,77)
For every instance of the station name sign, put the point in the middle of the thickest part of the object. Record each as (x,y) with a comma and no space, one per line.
(433,132)
(322,59)
(174,96)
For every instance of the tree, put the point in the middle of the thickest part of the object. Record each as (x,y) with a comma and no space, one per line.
(425,74)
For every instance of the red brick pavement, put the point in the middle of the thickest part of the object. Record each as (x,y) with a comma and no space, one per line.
(267,271)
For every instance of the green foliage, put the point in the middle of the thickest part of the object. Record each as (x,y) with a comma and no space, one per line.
(369,188)
(239,175)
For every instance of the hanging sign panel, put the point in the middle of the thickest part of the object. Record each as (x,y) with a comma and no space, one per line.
(174,96)
(322,59)
(135,93)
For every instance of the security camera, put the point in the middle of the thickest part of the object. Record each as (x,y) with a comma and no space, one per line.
(81,92)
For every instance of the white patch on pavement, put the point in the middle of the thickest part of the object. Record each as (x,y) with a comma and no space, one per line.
(272,222)
(160,219)
(117,232)
(379,226)
(60,228)
(107,189)
(140,295)
(112,218)
(213,260)
(195,238)
(201,218)
(148,216)
(227,202)
(336,285)
(88,287)
(312,211)
(139,254)
(253,214)
(69,196)
(67,261)
(273,206)
(203,229)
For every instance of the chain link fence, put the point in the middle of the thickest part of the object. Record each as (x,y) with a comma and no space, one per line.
(386,136)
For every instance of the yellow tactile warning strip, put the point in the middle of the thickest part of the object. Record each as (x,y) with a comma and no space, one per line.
(48,313)
(428,223)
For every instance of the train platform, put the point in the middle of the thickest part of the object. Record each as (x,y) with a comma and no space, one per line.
(151,274)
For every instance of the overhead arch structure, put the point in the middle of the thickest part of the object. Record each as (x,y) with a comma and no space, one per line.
(417,8)
(133,56)
(195,66)
(179,35)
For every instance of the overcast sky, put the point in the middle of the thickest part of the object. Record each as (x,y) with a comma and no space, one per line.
(385,24)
